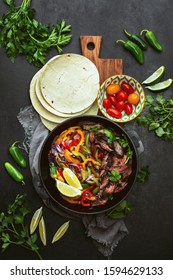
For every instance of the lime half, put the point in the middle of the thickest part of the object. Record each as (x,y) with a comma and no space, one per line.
(67,190)
(160,86)
(71,178)
(155,77)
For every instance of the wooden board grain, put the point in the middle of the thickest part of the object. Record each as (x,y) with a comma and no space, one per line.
(90,47)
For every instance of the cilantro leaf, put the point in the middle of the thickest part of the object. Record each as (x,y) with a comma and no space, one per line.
(13,228)
(120,211)
(143,174)
(35,39)
(158,117)
(114,176)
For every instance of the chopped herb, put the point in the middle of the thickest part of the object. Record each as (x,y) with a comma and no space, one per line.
(109,196)
(158,117)
(13,228)
(110,135)
(96,129)
(114,176)
(123,141)
(143,174)
(22,34)
(120,211)
(53,169)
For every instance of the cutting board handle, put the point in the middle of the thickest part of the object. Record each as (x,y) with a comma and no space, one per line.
(90,46)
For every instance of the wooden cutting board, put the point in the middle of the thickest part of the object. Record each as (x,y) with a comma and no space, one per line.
(90,47)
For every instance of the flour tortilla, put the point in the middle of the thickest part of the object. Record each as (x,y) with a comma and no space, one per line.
(51,125)
(46,105)
(50,120)
(70,83)
(38,106)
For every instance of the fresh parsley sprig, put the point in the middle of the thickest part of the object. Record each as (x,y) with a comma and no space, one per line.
(158,117)
(123,141)
(114,176)
(143,174)
(22,34)
(120,211)
(13,229)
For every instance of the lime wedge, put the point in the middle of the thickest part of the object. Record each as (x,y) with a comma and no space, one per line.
(42,231)
(67,190)
(35,219)
(160,86)
(155,77)
(60,232)
(71,178)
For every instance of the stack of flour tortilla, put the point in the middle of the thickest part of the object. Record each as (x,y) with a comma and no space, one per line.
(66,86)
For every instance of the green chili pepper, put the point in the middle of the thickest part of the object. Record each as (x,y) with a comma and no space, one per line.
(137,39)
(14,173)
(16,155)
(152,40)
(134,49)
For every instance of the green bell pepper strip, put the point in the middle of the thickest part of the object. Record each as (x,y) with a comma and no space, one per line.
(152,40)
(134,49)
(78,154)
(137,39)
(14,173)
(16,155)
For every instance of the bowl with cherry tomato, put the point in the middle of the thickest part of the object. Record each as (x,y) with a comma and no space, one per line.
(121,98)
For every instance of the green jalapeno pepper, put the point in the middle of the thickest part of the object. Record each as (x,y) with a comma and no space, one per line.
(14,173)
(16,155)
(151,39)
(137,39)
(134,49)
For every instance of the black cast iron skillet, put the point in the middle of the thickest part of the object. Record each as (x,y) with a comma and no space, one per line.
(49,183)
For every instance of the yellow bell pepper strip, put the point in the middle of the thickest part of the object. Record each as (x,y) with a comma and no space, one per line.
(65,133)
(71,200)
(90,160)
(56,173)
(82,139)
(68,156)
(60,175)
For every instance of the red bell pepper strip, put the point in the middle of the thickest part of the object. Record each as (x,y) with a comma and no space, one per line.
(85,199)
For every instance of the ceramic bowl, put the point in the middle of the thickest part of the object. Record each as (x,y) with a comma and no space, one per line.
(119,79)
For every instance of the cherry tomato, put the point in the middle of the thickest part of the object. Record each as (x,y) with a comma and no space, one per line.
(122,95)
(112,99)
(112,89)
(120,105)
(106,103)
(114,113)
(133,98)
(127,87)
(128,108)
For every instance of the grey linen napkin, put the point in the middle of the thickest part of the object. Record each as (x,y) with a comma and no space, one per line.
(104,231)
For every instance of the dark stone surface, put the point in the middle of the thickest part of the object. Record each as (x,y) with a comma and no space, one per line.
(150,223)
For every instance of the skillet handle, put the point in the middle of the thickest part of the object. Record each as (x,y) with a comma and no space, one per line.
(139,146)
